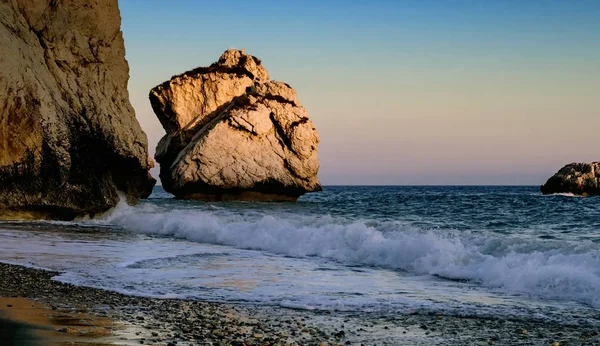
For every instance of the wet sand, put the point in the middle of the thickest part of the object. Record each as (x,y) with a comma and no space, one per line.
(13,333)
(29,322)
(46,312)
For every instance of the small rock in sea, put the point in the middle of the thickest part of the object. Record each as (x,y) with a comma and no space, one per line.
(423,327)
(340,334)
(154,334)
(491,342)
(576,178)
(556,343)
(524,331)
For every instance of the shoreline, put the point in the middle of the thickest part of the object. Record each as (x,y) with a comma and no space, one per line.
(132,320)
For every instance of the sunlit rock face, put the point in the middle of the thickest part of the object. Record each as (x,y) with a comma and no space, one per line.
(581,179)
(69,140)
(232,134)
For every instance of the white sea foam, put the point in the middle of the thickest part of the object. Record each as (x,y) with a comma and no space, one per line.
(540,268)
(564,194)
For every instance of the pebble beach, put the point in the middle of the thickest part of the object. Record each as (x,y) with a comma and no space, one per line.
(139,320)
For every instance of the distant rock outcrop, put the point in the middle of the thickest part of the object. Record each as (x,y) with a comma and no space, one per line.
(69,140)
(581,179)
(233,134)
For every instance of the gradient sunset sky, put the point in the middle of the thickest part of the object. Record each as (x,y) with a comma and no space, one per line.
(401,92)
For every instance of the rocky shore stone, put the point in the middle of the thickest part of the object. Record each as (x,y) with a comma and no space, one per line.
(69,140)
(582,179)
(234,134)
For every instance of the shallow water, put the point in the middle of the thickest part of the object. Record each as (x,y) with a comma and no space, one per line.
(506,252)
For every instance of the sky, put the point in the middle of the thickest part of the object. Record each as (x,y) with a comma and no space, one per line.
(402,92)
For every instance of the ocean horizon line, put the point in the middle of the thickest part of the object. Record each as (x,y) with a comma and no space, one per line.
(420,185)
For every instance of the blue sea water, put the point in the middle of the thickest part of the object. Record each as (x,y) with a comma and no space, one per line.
(500,252)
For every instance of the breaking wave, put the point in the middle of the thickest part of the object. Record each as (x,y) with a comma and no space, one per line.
(562,270)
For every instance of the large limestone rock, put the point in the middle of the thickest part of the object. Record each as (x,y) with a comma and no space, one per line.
(233,134)
(69,140)
(577,178)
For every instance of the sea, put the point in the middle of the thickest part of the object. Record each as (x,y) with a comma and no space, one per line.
(505,252)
